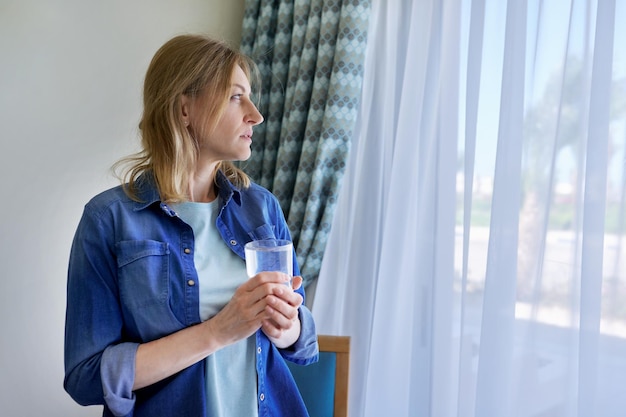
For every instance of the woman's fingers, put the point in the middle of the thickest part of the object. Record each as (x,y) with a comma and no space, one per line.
(263,301)
(296,282)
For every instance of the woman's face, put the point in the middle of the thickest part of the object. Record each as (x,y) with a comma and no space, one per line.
(231,138)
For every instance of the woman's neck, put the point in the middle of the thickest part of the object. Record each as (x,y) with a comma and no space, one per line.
(202,187)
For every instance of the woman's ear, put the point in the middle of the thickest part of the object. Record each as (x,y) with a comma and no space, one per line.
(185,106)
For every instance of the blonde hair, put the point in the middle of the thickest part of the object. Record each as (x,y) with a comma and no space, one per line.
(185,65)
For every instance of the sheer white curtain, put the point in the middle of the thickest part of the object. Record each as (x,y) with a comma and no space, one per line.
(478,252)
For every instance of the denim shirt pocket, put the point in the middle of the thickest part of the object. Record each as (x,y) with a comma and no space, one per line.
(265,231)
(143,272)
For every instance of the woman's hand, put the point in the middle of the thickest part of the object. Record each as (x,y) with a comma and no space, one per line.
(283,325)
(263,301)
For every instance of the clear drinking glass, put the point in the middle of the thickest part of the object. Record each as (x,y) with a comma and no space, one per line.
(269,255)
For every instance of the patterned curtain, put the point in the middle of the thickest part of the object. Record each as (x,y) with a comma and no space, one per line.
(311,54)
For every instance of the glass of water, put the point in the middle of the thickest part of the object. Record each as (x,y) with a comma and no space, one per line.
(269,255)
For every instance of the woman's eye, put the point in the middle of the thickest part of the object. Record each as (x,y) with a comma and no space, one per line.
(236,97)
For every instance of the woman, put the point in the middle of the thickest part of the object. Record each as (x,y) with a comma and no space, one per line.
(162,319)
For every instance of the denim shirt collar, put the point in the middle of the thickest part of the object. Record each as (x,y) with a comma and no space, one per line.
(148,193)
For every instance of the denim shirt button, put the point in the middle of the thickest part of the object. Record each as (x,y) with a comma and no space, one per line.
(258,350)
(233,242)
(187,251)
(262,397)
(191,283)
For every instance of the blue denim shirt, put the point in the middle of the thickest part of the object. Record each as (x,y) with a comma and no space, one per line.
(132,279)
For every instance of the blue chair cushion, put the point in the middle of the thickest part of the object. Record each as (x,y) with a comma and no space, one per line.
(316,383)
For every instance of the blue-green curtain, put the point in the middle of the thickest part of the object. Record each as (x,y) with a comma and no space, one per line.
(311,55)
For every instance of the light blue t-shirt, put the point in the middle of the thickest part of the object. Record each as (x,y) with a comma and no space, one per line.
(231,372)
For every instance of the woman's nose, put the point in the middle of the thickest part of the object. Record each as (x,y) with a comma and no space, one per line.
(255,117)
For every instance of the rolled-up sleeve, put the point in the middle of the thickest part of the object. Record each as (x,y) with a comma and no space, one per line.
(117,373)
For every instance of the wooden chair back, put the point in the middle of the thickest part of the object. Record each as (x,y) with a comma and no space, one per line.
(324,385)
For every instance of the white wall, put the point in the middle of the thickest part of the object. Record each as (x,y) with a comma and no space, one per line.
(70,83)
